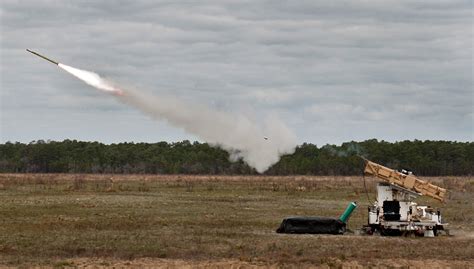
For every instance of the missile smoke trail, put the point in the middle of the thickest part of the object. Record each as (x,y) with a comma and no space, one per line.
(237,134)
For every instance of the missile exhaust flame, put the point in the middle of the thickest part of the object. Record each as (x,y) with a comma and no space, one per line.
(92,79)
(238,135)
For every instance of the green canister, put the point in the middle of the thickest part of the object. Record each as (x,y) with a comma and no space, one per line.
(347,213)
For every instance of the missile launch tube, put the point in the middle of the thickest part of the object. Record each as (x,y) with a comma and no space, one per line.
(347,213)
(44,57)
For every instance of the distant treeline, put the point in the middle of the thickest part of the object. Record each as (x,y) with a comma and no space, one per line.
(427,158)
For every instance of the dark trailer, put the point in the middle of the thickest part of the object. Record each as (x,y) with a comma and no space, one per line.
(311,225)
(317,225)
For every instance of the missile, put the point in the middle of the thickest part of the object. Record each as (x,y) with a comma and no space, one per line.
(44,57)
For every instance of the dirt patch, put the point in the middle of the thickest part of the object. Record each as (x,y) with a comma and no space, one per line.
(95,263)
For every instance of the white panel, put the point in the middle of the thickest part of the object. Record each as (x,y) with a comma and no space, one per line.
(384,193)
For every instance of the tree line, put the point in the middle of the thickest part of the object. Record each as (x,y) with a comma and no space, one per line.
(424,158)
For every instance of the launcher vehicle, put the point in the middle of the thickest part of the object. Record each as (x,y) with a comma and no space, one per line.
(394,212)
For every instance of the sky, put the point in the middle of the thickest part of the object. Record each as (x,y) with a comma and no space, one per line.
(332,71)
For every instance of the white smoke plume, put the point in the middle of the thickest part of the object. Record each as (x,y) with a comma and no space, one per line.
(259,146)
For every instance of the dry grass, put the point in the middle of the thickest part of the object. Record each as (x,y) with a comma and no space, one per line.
(61,219)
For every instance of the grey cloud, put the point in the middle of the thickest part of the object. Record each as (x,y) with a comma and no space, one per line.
(334,71)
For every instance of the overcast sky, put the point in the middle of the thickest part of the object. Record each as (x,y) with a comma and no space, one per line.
(333,71)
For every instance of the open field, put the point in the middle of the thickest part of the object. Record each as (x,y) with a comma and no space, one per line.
(210,221)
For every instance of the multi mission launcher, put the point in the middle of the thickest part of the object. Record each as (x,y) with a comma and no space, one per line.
(393,213)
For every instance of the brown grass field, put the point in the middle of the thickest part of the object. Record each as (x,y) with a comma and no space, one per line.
(99,221)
